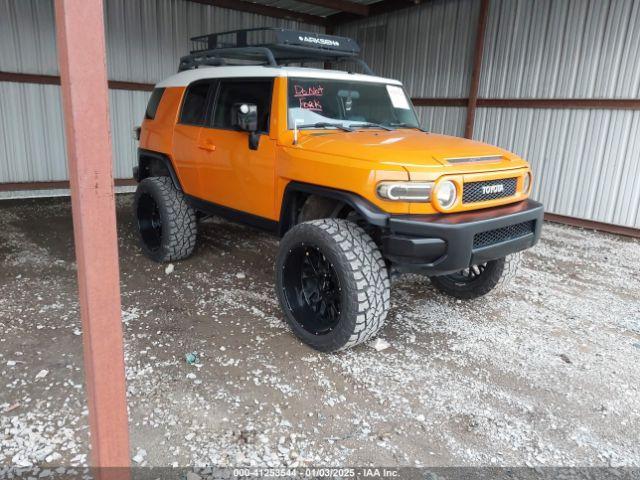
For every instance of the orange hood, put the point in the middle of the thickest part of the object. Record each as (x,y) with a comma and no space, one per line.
(407,148)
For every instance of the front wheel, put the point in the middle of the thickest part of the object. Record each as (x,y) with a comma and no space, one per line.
(332,284)
(478,280)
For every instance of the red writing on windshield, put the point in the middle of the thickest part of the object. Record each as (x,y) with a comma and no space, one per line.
(313,91)
(309,97)
(313,104)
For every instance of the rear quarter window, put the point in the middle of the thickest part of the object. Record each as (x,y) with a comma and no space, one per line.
(154,102)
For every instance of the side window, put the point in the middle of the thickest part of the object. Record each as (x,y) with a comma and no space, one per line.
(154,102)
(195,104)
(232,92)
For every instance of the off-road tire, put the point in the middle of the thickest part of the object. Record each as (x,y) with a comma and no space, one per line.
(178,220)
(361,273)
(496,276)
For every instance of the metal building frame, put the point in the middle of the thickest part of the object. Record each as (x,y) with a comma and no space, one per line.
(83,78)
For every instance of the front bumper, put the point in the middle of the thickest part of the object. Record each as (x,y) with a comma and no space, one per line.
(447,243)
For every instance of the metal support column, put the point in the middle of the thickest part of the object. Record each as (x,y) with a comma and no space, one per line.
(82,58)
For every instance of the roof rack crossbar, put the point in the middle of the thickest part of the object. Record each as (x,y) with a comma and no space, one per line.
(241,37)
(192,61)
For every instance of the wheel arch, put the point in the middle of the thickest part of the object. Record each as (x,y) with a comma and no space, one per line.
(155,164)
(296,193)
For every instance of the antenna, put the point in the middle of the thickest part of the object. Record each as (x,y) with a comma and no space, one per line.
(295,129)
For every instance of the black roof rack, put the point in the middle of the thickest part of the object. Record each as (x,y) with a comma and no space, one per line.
(270,46)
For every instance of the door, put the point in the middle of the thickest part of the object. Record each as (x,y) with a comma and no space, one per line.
(232,174)
(187,149)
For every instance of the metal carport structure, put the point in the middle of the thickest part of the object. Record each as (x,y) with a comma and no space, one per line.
(84,80)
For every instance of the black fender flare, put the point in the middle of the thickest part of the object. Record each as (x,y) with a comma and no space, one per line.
(291,204)
(140,170)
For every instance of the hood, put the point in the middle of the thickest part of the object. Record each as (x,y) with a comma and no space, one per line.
(406,148)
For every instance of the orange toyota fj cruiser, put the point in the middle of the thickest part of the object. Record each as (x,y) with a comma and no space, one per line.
(337,165)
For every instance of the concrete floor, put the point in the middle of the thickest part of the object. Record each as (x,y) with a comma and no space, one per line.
(543,374)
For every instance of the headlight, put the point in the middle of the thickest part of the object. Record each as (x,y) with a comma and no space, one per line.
(526,184)
(446,193)
(406,191)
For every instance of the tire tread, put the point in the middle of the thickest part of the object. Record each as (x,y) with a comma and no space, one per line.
(366,269)
(180,225)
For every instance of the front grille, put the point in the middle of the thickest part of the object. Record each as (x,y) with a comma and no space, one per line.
(481,191)
(511,232)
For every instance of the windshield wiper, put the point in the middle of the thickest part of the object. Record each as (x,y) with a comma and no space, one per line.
(373,125)
(407,125)
(339,126)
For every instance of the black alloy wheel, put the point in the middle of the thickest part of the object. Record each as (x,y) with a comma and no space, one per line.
(312,289)
(477,280)
(332,284)
(149,222)
(469,275)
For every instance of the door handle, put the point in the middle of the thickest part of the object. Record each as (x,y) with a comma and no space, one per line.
(210,147)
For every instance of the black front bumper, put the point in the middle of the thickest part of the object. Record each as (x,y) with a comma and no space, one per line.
(447,243)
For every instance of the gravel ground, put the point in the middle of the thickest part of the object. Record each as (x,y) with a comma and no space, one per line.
(542,374)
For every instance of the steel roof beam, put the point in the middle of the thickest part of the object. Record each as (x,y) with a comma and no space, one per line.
(266,10)
(355,8)
(378,8)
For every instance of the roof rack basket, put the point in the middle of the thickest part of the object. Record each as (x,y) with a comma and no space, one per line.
(270,46)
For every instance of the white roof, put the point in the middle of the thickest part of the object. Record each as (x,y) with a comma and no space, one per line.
(183,79)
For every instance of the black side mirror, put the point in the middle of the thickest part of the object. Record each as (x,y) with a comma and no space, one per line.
(245,117)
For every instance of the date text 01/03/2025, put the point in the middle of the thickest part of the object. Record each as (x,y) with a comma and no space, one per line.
(370,472)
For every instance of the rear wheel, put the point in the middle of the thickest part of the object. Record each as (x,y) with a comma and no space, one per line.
(166,223)
(478,280)
(332,284)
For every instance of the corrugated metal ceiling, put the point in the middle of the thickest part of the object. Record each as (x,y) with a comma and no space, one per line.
(302,7)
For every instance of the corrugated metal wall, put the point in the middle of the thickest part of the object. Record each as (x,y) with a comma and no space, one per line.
(430,48)
(145,39)
(562,49)
(586,162)
(32,132)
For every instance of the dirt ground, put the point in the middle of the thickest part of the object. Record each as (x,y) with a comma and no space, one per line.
(543,374)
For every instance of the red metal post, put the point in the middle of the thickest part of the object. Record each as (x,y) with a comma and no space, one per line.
(477,69)
(82,58)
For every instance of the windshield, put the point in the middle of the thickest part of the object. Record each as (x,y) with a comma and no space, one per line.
(320,103)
